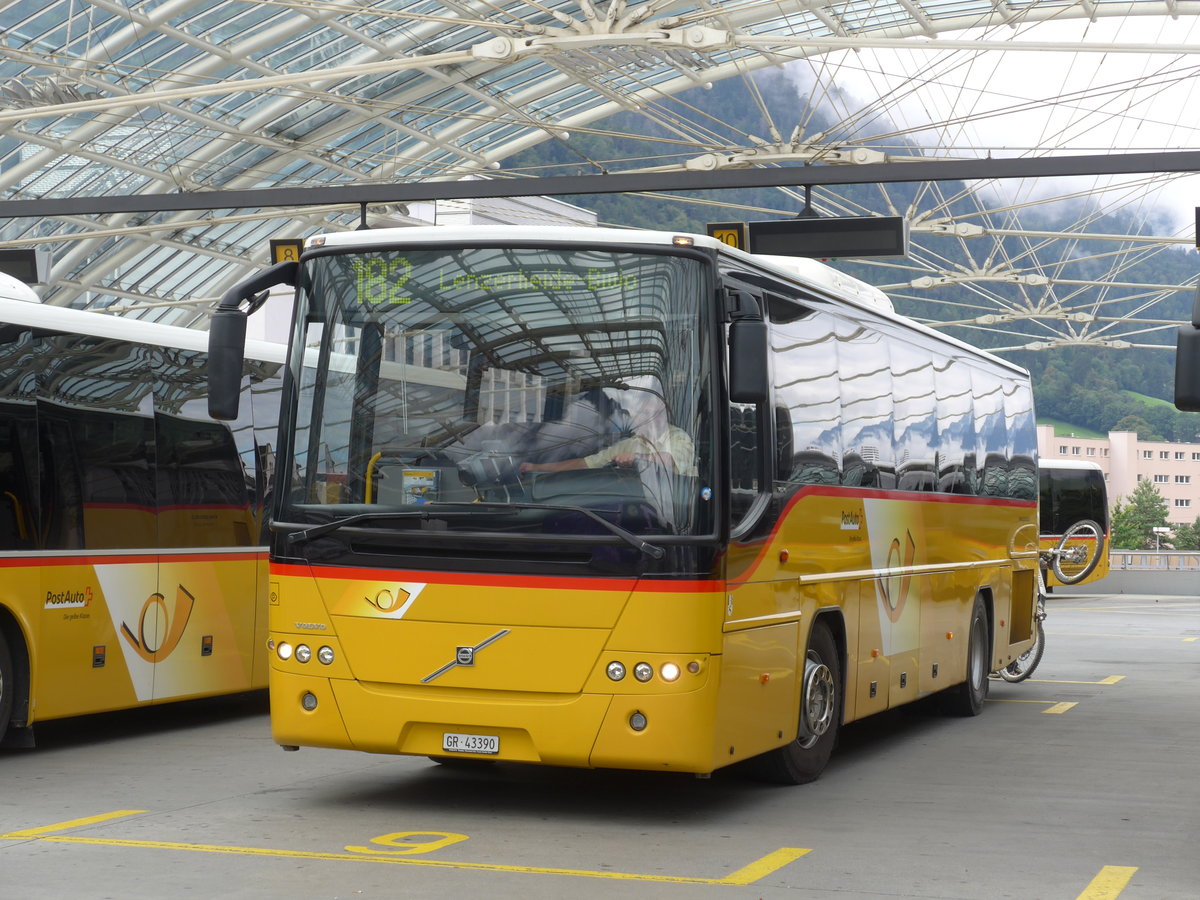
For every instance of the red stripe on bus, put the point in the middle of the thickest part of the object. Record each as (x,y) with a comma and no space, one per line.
(126,559)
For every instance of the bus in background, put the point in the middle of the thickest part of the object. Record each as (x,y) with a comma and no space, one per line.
(131,523)
(602,498)
(1069,492)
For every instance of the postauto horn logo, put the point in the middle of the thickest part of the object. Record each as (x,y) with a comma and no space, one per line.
(146,644)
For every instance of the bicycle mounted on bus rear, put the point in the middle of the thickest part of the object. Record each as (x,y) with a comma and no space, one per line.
(1071,560)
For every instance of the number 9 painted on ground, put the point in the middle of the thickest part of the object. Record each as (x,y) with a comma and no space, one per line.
(403,843)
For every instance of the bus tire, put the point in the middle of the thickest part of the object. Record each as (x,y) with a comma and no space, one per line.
(805,757)
(8,686)
(966,699)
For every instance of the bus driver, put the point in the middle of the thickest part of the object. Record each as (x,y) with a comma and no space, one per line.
(654,440)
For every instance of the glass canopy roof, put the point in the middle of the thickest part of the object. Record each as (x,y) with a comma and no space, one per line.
(122,97)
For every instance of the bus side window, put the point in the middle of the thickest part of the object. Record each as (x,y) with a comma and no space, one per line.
(916,436)
(61,492)
(18,529)
(956,469)
(808,394)
(866,422)
(991,434)
(743,459)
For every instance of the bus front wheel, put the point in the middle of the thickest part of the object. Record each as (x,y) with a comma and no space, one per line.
(804,758)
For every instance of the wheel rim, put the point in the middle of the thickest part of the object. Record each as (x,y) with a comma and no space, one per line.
(976,662)
(819,700)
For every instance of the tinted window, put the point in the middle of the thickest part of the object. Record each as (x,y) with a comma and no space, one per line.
(97,429)
(991,433)
(1069,495)
(916,417)
(1022,441)
(204,485)
(865,382)
(806,387)
(957,469)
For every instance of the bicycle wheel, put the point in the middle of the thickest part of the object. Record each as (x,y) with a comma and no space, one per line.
(1022,667)
(1078,552)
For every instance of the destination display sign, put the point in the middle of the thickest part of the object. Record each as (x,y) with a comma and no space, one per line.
(385,281)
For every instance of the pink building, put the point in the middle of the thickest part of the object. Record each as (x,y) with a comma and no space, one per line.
(1173,467)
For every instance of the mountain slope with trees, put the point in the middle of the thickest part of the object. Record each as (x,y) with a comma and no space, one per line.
(1083,385)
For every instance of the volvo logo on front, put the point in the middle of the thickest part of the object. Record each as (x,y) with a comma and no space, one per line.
(464,656)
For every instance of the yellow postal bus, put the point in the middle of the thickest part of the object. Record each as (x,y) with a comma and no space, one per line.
(601,498)
(131,523)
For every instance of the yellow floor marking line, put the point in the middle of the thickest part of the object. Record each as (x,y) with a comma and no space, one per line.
(1111,679)
(73,823)
(1149,637)
(1108,884)
(1169,610)
(761,868)
(755,871)
(1056,707)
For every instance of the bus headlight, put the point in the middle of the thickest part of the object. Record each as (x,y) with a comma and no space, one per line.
(284,650)
(669,672)
(325,656)
(303,653)
(616,670)
(643,671)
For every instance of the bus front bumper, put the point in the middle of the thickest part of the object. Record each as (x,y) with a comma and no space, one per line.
(651,731)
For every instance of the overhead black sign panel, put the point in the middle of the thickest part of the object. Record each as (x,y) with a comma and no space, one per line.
(829,238)
(27,265)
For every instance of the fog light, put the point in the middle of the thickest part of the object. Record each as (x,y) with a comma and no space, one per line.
(284,650)
(637,722)
(325,656)
(303,653)
(669,671)
(309,701)
(643,672)
(616,670)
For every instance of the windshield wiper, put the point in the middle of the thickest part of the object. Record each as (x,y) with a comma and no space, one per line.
(307,534)
(430,510)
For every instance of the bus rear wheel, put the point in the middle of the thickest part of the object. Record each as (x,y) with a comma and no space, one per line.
(967,698)
(805,757)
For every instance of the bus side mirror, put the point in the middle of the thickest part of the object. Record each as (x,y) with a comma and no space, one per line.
(1187,369)
(226,357)
(227,336)
(749,352)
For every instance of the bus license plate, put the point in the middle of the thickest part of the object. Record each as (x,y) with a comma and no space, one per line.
(470,743)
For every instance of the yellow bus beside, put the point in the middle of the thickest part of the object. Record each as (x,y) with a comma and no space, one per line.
(599,498)
(132,525)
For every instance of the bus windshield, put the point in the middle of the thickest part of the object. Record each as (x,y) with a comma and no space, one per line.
(503,389)
(1070,494)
